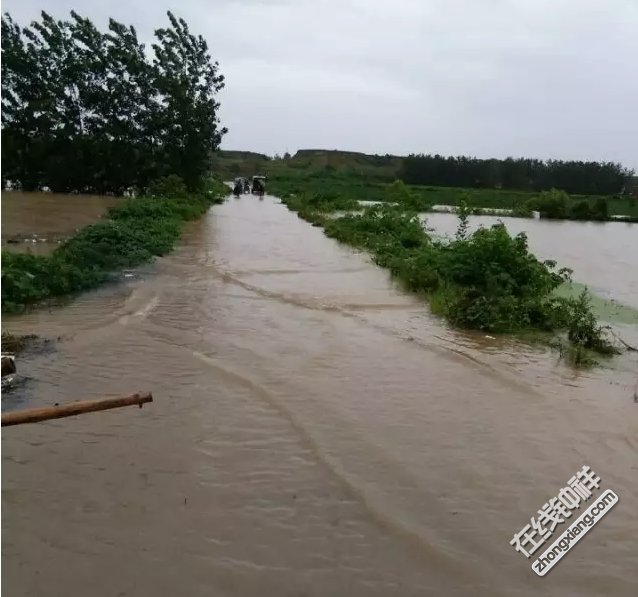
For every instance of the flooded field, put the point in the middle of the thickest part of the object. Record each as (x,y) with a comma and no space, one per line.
(603,255)
(315,430)
(38,222)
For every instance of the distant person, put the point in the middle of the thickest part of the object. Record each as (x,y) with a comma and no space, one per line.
(258,185)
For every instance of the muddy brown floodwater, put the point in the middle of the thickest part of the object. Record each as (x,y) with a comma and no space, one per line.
(43,220)
(315,431)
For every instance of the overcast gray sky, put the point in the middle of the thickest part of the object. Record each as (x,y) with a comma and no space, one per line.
(492,78)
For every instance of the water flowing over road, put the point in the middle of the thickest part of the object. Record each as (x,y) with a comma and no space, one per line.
(315,431)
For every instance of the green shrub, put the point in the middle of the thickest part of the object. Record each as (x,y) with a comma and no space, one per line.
(580,211)
(25,279)
(600,210)
(320,202)
(169,187)
(551,204)
(398,192)
(104,246)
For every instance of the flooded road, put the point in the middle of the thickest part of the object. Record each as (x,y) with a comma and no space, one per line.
(315,431)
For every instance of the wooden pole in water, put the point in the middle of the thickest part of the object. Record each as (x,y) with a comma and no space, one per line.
(33,415)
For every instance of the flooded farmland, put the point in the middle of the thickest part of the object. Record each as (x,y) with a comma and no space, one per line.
(38,222)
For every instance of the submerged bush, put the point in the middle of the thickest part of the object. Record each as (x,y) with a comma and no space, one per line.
(585,337)
(486,280)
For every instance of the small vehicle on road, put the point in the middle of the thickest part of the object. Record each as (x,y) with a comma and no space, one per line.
(259,185)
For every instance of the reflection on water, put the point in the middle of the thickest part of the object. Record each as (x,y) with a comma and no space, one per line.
(315,431)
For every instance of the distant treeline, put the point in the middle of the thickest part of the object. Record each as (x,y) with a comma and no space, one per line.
(586,178)
(90,111)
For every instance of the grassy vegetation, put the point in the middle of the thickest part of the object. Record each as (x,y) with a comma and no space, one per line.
(486,280)
(309,161)
(521,202)
(369,177)
(552,204)
(320,202)
(129,234)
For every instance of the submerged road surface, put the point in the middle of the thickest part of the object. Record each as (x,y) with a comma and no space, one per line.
(315,432)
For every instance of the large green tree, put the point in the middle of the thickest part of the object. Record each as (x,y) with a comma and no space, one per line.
(91,111)
(187,83)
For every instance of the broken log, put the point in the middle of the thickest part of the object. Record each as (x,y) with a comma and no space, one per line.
(34,415)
